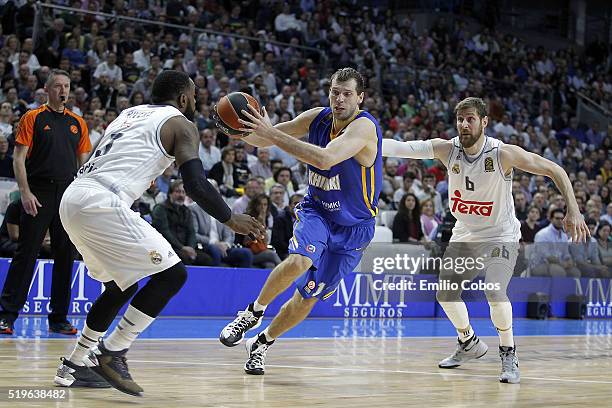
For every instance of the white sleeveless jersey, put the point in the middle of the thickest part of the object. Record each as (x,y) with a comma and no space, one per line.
(480,196)
(130,154)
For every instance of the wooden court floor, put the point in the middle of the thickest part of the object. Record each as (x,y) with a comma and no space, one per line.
(557,371)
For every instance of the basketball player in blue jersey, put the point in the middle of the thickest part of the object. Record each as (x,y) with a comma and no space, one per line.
(480,190)
(335,221)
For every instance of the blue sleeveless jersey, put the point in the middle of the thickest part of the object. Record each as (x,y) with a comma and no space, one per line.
(347,194)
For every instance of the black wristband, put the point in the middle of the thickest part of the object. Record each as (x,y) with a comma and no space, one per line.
(202,192)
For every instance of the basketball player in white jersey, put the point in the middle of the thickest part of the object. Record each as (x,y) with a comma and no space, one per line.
(480,197)
(118,246)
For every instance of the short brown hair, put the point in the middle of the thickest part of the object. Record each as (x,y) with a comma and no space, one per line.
(174,185)
(475,103)
(227,150)
(346,74)
(54,73)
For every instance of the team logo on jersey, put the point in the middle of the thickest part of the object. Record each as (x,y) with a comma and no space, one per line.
(311,248)
(322,182)
(156,257)
(495,253)
(456,168)
(489,165)
(483,208)
(74,129)
(311,285)
(332,206)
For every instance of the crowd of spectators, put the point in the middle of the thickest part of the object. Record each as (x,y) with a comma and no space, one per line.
(415,78)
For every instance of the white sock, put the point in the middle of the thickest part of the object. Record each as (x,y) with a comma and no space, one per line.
(87,340)
(506,338)
(501,316)
(131,325)
(257,307)
(267,336)
(458,315)
(465,334)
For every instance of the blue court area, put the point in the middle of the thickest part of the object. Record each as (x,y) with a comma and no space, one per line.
(209,328)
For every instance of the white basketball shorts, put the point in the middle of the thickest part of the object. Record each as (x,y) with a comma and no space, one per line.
(116,243)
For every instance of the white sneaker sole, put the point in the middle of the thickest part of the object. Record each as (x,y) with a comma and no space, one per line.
(506,381)
(226,343)
(62,382)
(440,365)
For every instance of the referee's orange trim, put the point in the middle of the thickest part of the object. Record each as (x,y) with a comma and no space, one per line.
(25,132)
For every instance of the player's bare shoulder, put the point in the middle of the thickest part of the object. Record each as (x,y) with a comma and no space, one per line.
(362,128)
(180,138)
(511,156)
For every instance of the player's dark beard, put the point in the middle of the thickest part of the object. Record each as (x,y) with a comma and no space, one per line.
(190,113)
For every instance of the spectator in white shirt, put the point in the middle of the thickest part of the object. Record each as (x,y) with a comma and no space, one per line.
(213,80)
(208,152)
(504,127)
(269,80)
(429,192)
(550,255)
(285,24)
(285,94)
(94,135)
(252,188)
(6,118)
(407,187)
(142,56)
(28,59)
(256,66)
(111,69)
(262,166)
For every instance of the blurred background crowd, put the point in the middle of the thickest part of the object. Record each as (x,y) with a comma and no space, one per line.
(283,53)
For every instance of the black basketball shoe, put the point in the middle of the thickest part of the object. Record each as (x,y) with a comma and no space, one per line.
(233,333)
(112,366)
(257,347)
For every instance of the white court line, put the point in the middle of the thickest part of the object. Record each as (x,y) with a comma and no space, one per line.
(391,338)
(358,370)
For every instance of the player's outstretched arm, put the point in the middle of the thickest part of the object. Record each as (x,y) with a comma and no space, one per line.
(297,128)
(417,149)
(180,136)
(355,138)
(514,156)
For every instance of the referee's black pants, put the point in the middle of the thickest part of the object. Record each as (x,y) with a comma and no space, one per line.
(32,232)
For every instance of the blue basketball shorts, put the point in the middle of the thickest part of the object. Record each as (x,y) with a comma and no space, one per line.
(335,250)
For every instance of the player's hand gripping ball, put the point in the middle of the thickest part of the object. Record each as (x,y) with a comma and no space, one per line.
(229,110)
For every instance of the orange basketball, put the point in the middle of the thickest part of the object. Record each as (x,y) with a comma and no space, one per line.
(230,106)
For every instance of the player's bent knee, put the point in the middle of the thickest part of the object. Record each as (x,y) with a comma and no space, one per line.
(173,278)
(496,296)
(301,303)
(179,277)
(298,263)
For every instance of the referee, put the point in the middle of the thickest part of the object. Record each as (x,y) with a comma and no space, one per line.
(51,143)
